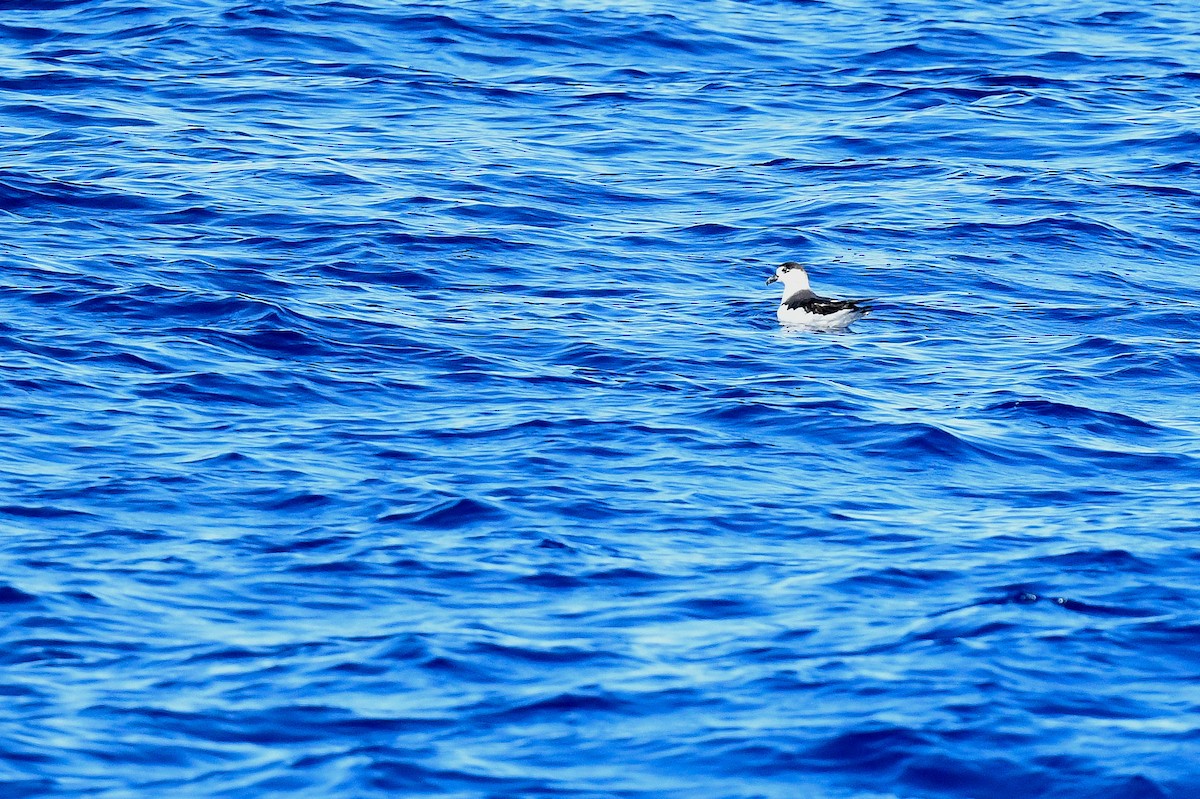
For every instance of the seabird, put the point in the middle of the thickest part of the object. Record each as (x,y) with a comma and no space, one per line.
(800,306)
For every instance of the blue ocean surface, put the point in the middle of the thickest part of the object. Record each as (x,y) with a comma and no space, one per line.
(393,404)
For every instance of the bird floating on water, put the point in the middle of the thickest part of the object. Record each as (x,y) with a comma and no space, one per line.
(801,307)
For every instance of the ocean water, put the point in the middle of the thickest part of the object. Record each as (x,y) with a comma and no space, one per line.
(393,404)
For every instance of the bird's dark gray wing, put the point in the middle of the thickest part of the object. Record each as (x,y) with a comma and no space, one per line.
(811,303)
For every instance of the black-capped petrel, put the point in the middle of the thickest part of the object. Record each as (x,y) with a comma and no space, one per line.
(801,307)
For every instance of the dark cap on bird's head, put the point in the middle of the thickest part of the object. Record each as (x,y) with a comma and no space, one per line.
(783,270)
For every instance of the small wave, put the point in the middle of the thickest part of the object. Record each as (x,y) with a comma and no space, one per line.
(10,595)
(30,194)
(448,513)
(1057,414)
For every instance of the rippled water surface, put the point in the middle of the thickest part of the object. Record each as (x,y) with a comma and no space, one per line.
(393,404)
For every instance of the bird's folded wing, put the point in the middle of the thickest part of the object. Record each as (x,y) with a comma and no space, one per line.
(821,305)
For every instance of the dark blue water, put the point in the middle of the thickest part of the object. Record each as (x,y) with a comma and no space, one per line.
(393,405)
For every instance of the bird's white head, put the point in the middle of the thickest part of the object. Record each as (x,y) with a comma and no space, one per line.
(792,276)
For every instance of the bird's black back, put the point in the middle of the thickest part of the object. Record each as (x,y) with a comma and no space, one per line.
(809,302)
